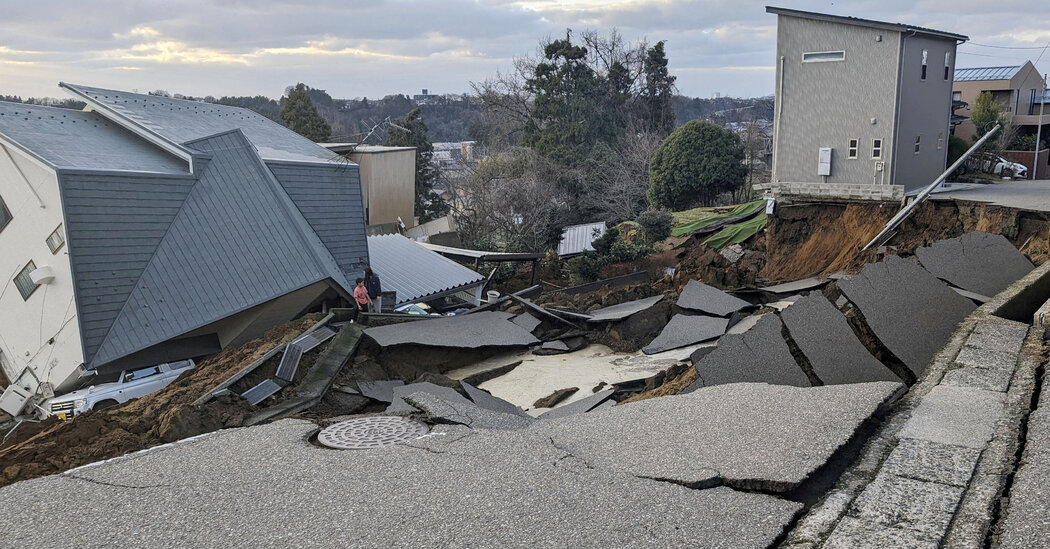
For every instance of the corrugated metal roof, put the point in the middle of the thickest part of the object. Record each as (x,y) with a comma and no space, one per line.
(236,242)
(986,73)
(577,239)
(180,120)
(414,271)
(66,138)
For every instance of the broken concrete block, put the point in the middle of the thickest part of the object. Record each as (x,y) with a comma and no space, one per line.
(961,416)
(527,321)
(445,393)
(486,329)
(623,310)
(708,299)
(465,413)
(925,507)
(852,533)
(580,406)
(932,462)
(795,286)
(554,398)
(561,346)
(977,261)
(912,313)
(382,391)
(745,435)
(758,355)
(485,400)
(989,379)
(685,330)
(829,345)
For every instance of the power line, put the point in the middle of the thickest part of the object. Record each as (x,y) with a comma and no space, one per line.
(1004,47)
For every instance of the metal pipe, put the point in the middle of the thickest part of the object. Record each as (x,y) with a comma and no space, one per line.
(1039,131)
(921,197)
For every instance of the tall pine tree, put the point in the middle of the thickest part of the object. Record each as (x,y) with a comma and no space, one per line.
(300,115)
(429,205)
(658,90)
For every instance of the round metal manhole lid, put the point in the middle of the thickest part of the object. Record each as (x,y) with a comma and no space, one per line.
(370,432)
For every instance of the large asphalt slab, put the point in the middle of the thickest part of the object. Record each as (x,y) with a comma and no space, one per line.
(486,329)
(911,312)
(977,261)
(697,296)
(456,487)
(758,355)
(828,343)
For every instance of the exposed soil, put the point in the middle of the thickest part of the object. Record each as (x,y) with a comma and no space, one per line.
(53,446)
(672,387)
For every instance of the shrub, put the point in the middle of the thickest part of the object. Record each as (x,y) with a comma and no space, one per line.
(656,224)
(695,164)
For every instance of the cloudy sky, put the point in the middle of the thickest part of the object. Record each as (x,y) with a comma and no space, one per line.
(371,48)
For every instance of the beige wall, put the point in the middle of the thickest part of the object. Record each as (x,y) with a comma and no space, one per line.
(40,332)
(388,185)
(1014,97)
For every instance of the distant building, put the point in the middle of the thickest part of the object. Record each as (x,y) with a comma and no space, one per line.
(424,98)
(149,229)
(862,107)
(1018,90)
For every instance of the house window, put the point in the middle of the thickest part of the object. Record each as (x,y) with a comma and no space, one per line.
(940,141)
(5,215)
(25,285)
(56,240)
(823,56)
(956,96)
(947,63)
(876,148)
(925,55)
(853,148)
(918,142)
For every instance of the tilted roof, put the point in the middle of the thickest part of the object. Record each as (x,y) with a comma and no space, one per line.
(181,120)
(69,139)
(898,27)
(986,73)
(414,271)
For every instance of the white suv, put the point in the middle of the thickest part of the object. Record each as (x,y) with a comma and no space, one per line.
(131,384)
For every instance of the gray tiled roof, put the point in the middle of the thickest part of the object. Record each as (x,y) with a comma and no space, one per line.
(414,271)
(180,120)
(71,139)
(237,241)
(986,73)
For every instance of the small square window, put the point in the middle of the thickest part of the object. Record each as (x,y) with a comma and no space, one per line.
(56,240)
(876,148)
(24,283)
(940,141)
(852,148)
(956,96)
(5,215)
(925,55)
(918,143)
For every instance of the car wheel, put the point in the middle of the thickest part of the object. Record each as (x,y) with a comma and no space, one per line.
(103,404)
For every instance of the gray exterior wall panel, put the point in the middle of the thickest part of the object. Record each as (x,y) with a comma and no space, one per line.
(825,104)
(925,111)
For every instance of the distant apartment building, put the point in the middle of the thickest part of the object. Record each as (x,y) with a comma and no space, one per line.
(424,98)
(862,107)
(1018,89)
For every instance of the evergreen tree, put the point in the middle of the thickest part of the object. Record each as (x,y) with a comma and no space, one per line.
(695,164)
(658,90)
(429,205)
(300,115)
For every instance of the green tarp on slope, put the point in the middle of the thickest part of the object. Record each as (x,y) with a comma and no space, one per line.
(742,212)
(735,234)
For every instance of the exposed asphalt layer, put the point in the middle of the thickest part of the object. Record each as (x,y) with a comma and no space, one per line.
(758,355)
(977,261)
(575,481)
(685,330)
(910,311)
(708,299)
(486,329)
(623,310)
(832,349)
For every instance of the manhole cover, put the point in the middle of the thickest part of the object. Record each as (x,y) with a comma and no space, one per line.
(370,432)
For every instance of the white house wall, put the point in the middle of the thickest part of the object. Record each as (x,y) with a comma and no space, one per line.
(40,332)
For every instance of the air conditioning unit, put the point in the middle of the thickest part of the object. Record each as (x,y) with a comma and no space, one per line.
(42,275)
(14,400)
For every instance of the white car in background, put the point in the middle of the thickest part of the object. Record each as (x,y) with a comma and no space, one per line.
(995,164)
(131,384)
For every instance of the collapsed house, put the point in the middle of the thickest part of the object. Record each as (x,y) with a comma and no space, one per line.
(147,229)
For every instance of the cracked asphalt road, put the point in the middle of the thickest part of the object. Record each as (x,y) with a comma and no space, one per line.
(456,487)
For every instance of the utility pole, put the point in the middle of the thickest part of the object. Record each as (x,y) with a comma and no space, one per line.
(1039,131)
